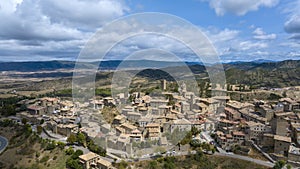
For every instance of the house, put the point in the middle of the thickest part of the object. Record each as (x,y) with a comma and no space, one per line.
(133,116)
(268,141)
(239,105)
(289,104)
(89,160)
(281,144)
(36,110)
(119,119)
(295,132)
(93,160)
(294,154)
(238,137)
(155,103)
(200,106)
(136,135)
(280,124)
(127,109)
(104,164)
(97,104)
(105,128)
(153,131)
(66,129)
(223,123)
(128,128)
(255,131)
(266,111)
(181,125)
(224,140)
(144,121)
(251,115)
(232,114)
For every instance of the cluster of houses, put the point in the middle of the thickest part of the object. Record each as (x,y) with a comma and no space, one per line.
(274,126)
(52,114)
(147,119)
(93,160)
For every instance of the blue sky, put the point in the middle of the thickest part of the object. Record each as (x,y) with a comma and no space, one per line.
(240,30)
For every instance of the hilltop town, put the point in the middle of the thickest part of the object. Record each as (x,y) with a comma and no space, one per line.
(139,126)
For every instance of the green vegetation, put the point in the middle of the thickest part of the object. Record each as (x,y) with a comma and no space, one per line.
(96,148)
(279,164)
(103,92)
(73,161)
(122,165)
(85,141)
(64,93)
(28,150)
(197,161)
(72,139)
(8,105)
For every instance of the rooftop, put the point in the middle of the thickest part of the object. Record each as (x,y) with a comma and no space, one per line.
(88,156)
(104,162)
(282,138)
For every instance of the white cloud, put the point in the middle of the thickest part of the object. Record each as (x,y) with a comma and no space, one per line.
(247,45)
(44,26)
(88,14)
(261,35)
(239,7)
(293,24)
(292,27)
(223,35)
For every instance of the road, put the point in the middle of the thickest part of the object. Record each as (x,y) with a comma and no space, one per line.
(264,163)
(3,143)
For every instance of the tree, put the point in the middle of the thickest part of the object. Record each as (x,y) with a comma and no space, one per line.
(69,151)
(72,139)
(39,129)
(81,138)
(24,121)
(152,165)
(74,164)
(279,164)
(42,121)
(195,131)
(51,145)
(76,154)
(123,164)
(61,145)
(95,148)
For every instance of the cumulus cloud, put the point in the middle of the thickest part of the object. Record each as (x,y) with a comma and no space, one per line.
(246,45)
(293,24)
(261,35)
(39,28)
(86,14)
(239,7)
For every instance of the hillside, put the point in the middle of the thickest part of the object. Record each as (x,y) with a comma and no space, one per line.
(197,161)
(255,74)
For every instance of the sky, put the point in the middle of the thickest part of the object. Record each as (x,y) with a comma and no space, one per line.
(240,30)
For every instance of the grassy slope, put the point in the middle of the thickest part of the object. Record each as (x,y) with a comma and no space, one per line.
(28,152)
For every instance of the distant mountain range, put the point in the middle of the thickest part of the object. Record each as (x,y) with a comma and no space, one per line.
(36,66)
(104,65)
(257,73)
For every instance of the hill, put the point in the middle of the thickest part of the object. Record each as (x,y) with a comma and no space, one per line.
(255,74)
